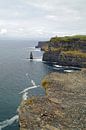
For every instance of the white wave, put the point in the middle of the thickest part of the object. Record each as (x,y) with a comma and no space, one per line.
(68,71)
(57,65)
(25,90)
(33,83)
(25,96)
(35,59)
(8,122)
(38,60)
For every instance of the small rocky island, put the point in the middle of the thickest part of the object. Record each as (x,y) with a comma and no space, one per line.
(31,55)
(66,51)
(62,108)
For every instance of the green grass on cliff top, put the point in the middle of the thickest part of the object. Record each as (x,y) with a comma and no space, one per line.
(75,53)
(68,38)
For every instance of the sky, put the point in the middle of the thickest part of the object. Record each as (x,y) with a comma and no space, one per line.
(42,18)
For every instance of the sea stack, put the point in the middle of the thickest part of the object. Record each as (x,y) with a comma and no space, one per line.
(31,55)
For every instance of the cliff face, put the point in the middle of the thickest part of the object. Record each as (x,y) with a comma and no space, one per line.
(62,108)
(63,59)
(69,51)
(70,42)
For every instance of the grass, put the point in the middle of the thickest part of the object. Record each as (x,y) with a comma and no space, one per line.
(29,101)
(68,38)
(45,83)
(75,53)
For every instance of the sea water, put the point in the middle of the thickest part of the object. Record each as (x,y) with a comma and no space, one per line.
(16,73)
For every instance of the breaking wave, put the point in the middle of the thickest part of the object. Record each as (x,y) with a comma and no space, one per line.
(26,89)
(33,83)
(24,93)
(38,59)
(35,59)
(58,66)
(25,96)
(9,122)
(68,71)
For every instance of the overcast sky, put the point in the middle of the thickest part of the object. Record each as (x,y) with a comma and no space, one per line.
(42,18)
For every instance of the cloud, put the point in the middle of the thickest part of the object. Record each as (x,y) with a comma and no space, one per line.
(42,18)
(3,31)
(41,4)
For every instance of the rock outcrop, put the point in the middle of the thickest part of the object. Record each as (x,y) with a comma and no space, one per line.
(62,108)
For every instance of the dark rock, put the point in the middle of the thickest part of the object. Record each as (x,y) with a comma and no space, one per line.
(64,60)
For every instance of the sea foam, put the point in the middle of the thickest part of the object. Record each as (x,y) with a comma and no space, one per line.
(58,66)
(68,71)
(26,89)
(9,122)
(25,96)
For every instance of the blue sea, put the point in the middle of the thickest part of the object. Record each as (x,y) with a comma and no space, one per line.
(14,68)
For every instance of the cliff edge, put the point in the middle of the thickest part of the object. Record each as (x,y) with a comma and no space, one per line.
(62,108)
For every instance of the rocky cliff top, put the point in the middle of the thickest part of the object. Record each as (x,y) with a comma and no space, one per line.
(66,43)
(62,108)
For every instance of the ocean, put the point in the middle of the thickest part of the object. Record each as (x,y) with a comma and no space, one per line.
(16,73)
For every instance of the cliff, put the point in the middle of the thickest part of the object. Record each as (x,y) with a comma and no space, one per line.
(66,58)
(42,44)
(69,50)
(62,108)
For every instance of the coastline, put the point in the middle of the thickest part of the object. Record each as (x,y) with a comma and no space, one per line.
(63,107)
